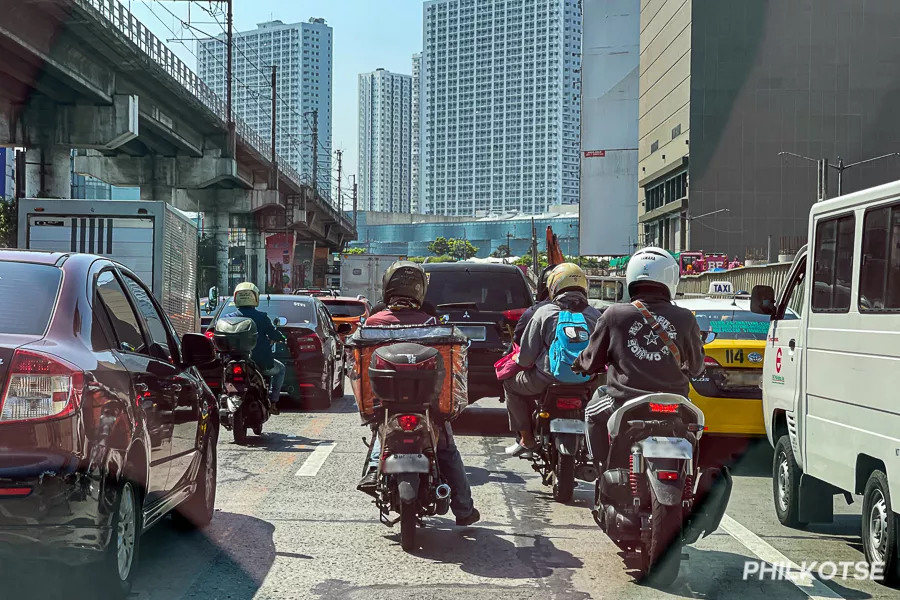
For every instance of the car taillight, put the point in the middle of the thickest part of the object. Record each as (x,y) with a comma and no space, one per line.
(663,408)
(667,475)
(40,387)
(237,372)
(709,361)
(514,314)
(309,343)
(210,334)
(14,492)
(568,403)
(408,422)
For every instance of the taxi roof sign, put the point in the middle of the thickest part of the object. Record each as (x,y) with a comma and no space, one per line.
(721,287)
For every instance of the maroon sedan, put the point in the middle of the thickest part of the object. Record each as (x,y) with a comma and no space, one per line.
(105,423)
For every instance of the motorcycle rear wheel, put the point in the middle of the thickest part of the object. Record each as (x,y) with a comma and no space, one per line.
(564,478)
(408,523)
(661,558)
(239,427)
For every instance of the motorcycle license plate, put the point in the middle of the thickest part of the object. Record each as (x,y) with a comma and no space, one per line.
(406,463)
(229,387)
(567,426)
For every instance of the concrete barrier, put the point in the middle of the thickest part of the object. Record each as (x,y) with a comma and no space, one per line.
(743,278)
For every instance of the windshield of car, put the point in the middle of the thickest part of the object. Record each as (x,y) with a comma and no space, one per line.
(296,311)
(339,308)
(490,291)
(608,290)
(28,293)
(735,324)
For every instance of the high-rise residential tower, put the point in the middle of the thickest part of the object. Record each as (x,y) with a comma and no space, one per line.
(416,132)
(303,54)
(500,88)
(385,141)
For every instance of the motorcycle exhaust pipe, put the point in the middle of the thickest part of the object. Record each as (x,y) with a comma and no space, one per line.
(442,492)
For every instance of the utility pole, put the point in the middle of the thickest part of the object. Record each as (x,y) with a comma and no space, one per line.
(354,201)
(339,154)
(229,74)
(823,165)
(273,176)
(508,248)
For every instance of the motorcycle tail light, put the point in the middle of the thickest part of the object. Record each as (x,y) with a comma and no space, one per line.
(667,475)
(210,334)
(40,387)
(408,422)
(237,372)
(663,408)
(568,403)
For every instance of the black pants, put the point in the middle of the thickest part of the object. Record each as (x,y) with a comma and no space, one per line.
(596,414)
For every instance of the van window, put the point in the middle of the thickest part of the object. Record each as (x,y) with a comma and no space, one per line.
(832,275)
(879,281)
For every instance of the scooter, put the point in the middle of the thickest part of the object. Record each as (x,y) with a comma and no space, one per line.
(652,498)
(244,401)
(559,429)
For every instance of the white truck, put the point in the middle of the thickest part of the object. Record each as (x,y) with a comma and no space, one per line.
(361,274)
(156,241)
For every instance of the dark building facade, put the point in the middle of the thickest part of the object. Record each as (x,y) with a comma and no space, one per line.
(817,78)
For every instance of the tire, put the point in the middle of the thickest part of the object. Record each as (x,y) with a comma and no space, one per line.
(338,392)
(321,399)
(408,523)
(880,526)
(112,576)
(197,512)
(786,484)
(564,478)
(239,427)
(662,557)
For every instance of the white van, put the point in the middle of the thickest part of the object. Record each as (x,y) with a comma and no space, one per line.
(831,379)
(604,291)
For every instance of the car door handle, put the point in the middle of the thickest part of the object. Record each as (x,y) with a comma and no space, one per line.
(792,345)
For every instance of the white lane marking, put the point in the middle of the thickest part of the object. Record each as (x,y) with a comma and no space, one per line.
(315,460)
(807,584)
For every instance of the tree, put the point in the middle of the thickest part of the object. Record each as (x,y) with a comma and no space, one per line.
(8,224)
(439,246)
(502,251)
(461,248)
(355,251)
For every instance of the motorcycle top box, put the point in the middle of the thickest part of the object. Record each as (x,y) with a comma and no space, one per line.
(235,336)
(407,374)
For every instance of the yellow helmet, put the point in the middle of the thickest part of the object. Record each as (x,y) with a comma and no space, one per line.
(246,294)
(566,277)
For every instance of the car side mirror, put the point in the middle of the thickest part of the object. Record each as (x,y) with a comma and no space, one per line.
(345,328)
(362,321)
(213,295)
(280,321)
(762,300)
(197,350)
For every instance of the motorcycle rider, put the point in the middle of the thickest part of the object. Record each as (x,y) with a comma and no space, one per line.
(567,286)
(404,286)
(638,359)
(246,300)
(543,297)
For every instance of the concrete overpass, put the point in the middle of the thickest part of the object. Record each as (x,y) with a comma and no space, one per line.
(86,74)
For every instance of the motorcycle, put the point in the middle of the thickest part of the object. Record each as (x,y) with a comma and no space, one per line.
(406,380)
(652,498)
(559,429)
(244,401)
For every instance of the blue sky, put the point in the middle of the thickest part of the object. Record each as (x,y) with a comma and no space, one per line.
(368,34)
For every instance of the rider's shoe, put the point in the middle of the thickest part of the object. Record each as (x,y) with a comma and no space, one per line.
(369,483)
(274,410)
(473,518)
(519,450)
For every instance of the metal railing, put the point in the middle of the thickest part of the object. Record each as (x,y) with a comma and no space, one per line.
(743,278)
(115,14)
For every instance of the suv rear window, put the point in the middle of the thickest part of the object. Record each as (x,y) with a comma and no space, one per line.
(345,309)
(491,291)
(297,311)
(28,293)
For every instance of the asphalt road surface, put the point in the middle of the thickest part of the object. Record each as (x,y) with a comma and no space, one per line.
(291,525)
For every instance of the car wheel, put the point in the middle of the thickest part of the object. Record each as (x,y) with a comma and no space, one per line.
(114,574)
(197,512)
(321,398)
(338,391)
(880,526)
(786,484)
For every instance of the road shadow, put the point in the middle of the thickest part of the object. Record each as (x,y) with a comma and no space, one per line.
(280,442)
(478,421)
(745,457)
(478,476)
(486,551)
(230,560)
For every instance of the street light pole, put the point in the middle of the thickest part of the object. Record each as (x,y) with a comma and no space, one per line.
(840,167)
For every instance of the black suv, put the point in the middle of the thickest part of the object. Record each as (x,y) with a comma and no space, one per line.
(485,301)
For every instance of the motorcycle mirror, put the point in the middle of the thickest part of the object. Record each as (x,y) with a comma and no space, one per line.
(213,298)
(707,337)
(280,321)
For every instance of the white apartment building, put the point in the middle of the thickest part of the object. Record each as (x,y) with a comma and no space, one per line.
(500,89)
(416,132)
(385,141)
(303,54)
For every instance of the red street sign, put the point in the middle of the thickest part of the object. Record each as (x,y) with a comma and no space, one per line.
(595,153)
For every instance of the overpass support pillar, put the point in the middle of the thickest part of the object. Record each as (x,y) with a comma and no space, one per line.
(257,256)
(48,172)
(221,227)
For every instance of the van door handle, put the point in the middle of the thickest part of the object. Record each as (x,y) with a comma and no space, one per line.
(792,345)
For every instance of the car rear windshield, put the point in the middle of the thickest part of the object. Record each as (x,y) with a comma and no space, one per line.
(296,311)
(735,324)
(491,291)
(28,293)
(346,309)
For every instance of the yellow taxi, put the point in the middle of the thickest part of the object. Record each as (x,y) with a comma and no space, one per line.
(728,392)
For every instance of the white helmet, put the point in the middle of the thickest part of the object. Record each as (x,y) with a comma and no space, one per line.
(653,265)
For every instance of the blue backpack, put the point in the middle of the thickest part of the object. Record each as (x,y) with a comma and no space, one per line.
(572,335)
